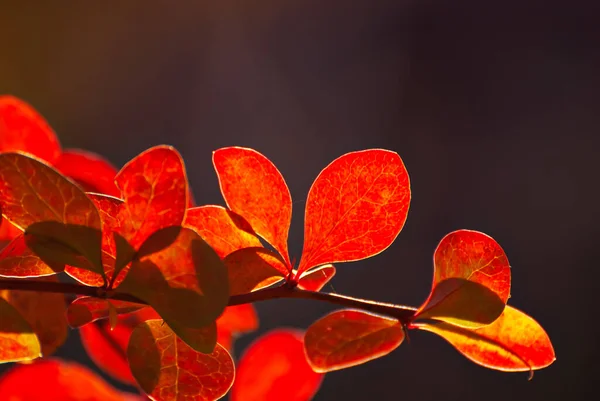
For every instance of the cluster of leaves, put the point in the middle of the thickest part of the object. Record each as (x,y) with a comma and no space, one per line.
(164,284)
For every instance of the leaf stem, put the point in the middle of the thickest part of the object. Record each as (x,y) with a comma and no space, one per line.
(403,313)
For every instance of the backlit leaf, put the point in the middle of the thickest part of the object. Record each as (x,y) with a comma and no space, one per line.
(89,170)
(250,269)
(202,340)
(274,368)
(23,129)
(348,338)
(155,189)
(18,342)
(8,231)
(514,342)
(315,279)
(158,240)
(224,230)
(17,260)
(355,208)
(45,313)
(186,283)
(167,369)
(54,379)
(254,188)
(85,310)
(462,302)
(474,256)
(234,321)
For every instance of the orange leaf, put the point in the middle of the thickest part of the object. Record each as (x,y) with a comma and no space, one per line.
(254,188)
(23,129)
(513,343)
(17,260)
(85,310)
(224,230)
(348,338)
(474,256)
(251,269)
(355,208)
(274,368)
(315,279)
(54,379)
(89,170)
(155,189)
(8,231)
(18,342)
(44,311)
(167,369)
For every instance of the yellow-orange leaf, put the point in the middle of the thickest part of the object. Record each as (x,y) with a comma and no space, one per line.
(45,313)
(348,338)
(250,269)
(315,279)
(166,368)
(85,310)
(224,230)
(18,342)
(355,208)
(254,188)
(514,342)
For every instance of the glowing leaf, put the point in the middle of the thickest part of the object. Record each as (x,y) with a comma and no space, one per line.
(54,379)
(154,187)
(167,369)
(355,208)
(89,170)
(250,269)
(462,302)
(273,365)
(8,231)
(17,260)
(254,188)
(224,230)
(474,256)
(18,342)
(23,129)
(234,321)
(315,279)
(514,342)
(186,283)
(348,338)
(45,312)
(85,310)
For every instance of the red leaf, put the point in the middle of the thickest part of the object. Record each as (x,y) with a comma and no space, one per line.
(18,342)
(355,208)
(85,310)
(17,260)
(274,368)
(234,321)
(224,230)
(474,256)
(348,338)
(155,189)
(254,188)
(513,343)
(8,231)
(251,269)
(23,129)
(316,279)
(89,170)
(54,379)
(167,369)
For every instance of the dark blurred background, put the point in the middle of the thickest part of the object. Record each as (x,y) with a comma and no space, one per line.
(493,106)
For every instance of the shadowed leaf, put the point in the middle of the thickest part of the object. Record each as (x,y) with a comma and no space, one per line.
(17,260)
(202,340)
(45,313)
(23,129)
(316,279)
(271,366)
(167,369)
(224,230)
(462,302)
(254,188)
(514,342)
(250,269)
(355,208)
(18,342)
(348,338)
(85,310)
(89,170)
(158,240)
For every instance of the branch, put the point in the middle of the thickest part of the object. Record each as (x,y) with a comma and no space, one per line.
(400,312)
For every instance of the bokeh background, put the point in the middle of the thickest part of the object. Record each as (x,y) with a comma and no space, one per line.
(493,106)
